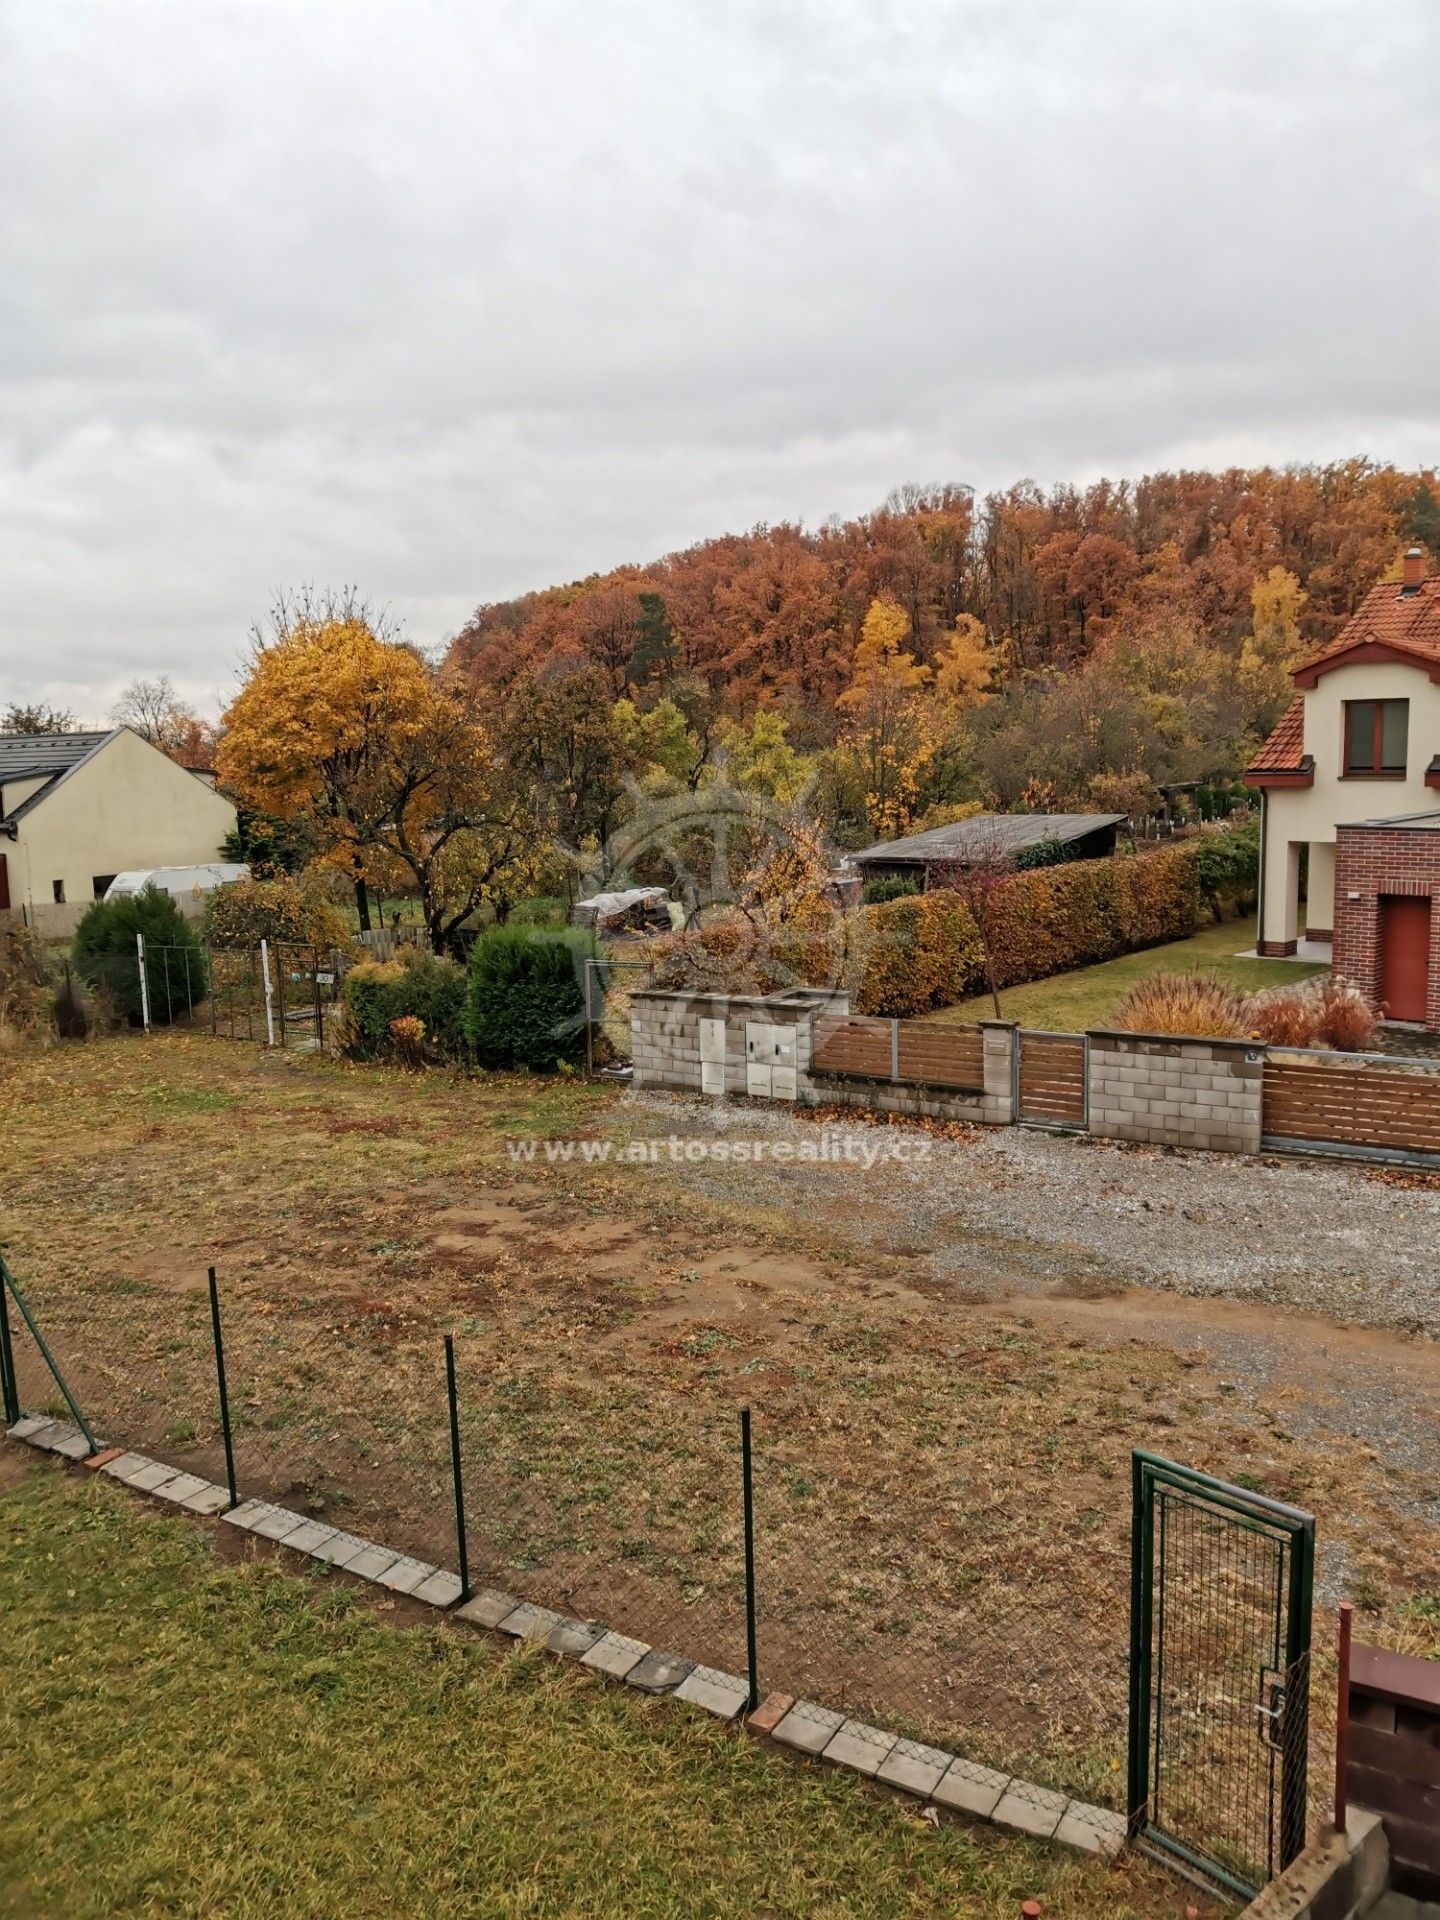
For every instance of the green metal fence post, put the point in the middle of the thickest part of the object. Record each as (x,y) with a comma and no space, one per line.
(1295,1738)
(8,1279)
(1138,1792)
(9,1385)
(752,1699)
(461,1545)
(224,1392)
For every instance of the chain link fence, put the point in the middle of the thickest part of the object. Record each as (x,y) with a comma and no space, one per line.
(276,994)
(908,1597)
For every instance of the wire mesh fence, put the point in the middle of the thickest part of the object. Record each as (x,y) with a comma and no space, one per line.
(608,984)
(275,994)
(906,1597)
(913,1594)
(635,1520)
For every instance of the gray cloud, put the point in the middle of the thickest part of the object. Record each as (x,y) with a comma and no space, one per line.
(457,300)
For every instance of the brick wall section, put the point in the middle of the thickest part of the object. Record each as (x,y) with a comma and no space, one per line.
(1394,1765)
(1176,1093)
(1370,861)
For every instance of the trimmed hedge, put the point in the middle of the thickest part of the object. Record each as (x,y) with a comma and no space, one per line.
(416,986)
(927,952)
(525,1003)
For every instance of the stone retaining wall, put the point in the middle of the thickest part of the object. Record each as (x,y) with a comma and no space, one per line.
(1176,1093)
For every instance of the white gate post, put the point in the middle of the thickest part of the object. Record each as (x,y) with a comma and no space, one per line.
(269,1003)
(144,983)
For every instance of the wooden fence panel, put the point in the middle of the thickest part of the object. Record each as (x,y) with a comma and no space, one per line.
(934,1056)
(909,1052)
(1052,1079)
(1391,1109)
(852,1044)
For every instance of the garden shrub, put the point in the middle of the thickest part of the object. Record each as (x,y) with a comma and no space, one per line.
(1196,1005)
(416,986)
(894,886)
(919,953)
(1328,1012)
(525,1004)
(176,971)
(1049,852)
(285,911)
(407,1038)
(915,952)
(927,952)
(1227,867)
(26,994)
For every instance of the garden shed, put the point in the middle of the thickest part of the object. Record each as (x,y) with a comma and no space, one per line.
(988,839)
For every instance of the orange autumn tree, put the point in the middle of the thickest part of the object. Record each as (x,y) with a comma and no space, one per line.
(388,764)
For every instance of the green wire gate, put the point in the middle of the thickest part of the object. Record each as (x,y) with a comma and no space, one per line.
(1222,1592)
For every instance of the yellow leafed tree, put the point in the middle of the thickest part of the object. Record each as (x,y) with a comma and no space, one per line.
(1273,646)
(390,765)
(967,667)
(887,728)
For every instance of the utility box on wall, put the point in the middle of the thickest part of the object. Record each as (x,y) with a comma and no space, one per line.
(769,1061)
(712,1056)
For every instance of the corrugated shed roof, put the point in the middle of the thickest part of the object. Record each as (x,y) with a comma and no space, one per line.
(1285,748)
(32,756)
(985,833)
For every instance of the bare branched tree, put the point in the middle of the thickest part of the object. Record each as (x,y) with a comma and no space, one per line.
(151,707)
(976,872)
(312,606)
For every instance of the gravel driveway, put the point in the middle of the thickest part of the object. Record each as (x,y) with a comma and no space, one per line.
(1062,1212)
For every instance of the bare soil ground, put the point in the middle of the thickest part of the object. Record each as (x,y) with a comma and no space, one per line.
(944,1399)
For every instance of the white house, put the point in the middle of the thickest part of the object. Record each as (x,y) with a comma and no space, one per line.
(1350,779)
(78,808)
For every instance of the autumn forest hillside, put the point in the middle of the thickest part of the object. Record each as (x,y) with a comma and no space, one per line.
(1032,647)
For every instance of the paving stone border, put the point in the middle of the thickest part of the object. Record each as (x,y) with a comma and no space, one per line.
(928,1773)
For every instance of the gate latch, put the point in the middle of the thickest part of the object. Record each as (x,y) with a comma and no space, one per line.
(1270,1709)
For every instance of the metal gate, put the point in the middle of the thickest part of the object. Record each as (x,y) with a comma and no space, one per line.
(1221,1595)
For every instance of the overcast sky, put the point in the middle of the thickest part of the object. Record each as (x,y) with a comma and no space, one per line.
(452,298)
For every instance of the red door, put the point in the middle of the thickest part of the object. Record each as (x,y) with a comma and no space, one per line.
(1404,956)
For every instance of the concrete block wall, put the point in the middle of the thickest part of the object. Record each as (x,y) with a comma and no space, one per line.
(1176,1093)
(1149,1088)
(665,1033)
(1340,1877)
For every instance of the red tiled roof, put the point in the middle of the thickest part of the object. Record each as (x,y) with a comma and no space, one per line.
(1285,749)
(1386,617)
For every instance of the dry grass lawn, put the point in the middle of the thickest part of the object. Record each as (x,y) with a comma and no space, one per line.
(191,1735)
(942,1484)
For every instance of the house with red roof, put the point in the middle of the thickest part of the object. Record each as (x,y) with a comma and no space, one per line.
(1349,786)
